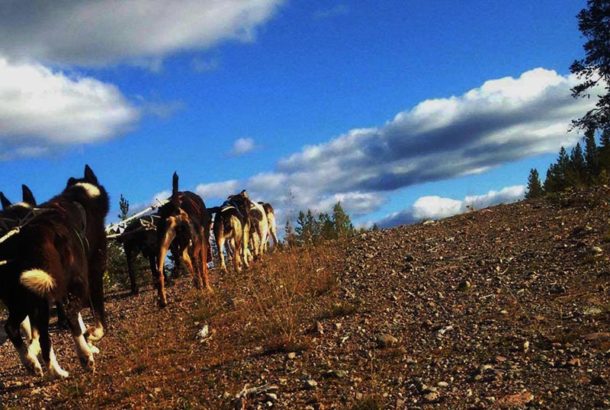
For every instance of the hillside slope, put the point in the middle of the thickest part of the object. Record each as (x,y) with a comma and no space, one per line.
(503,307)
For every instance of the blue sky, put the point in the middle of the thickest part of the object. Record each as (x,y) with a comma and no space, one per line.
(143,89)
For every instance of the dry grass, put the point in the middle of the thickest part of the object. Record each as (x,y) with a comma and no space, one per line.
(272,302)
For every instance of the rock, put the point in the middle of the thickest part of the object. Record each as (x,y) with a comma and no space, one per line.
(598,381)
(311,384)
(592,311)
(335,374)
(516,400)
(464,286)
(597,336)
(597,251)
(432,397)
(442,384)
(574,362)
(386,340)
(291,355)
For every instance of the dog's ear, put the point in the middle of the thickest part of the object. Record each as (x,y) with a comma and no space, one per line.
(5,202)
(27,195)
(175,184)
(90,175)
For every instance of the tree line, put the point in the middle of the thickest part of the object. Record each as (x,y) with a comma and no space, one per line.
(588,165)
(314,228)
(581,167)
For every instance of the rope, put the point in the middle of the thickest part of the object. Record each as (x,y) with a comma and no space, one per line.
(29,217)
(115,230)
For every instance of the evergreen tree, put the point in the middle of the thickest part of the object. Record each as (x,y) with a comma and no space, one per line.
(556,176)
(576,173)
(342,221)
(534,187)
(289,234)
(327,227)
(591,156)
(604,149)
(123,207)
(594,68)
(303,231)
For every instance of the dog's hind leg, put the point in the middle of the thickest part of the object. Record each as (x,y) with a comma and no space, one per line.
(205,244)
(26,328)
(83,349)
(220,242)
(97,267)
(12,331)
(40,323)
(130,256)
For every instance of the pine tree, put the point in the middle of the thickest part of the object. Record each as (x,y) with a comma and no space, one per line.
(556,176)
(342,221)
(303,233)
(123,207)
(594,68)
(289,234)
(327,227)
(604,150)
(591,156)
(534,187)
(576,173)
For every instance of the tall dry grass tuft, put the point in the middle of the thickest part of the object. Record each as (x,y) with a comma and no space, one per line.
(281,293)
(273,302)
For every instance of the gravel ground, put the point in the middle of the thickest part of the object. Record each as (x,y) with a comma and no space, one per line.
(503,307)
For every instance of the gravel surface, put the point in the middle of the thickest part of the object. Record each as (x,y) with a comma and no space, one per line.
(506,307)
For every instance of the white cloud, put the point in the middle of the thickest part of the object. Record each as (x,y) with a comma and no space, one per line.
(41,110)
(242,146)
(218,190)
(101,32)
(501,121)
(437,207)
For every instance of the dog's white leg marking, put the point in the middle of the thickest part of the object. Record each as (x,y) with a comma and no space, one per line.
(96,333)
(84,352)
(28,355)
(83,328)
(27,329)
(81,323)
(55,369)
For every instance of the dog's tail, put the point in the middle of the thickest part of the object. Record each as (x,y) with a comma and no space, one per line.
(175,184)
(37,281)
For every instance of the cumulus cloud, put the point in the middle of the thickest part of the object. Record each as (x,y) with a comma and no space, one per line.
(101,32)
(42,109)
(218,190)
(242,146)
(501,121)
(436,207)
